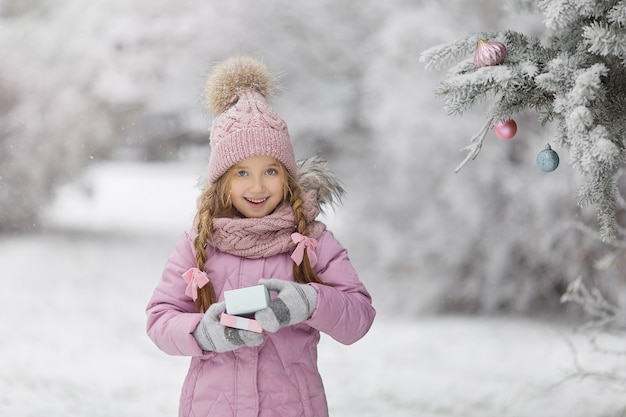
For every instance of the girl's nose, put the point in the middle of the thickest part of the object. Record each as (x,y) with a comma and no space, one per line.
(257,185)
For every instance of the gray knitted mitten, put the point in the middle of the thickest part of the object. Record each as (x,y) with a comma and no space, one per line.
(293,304)
(214,337)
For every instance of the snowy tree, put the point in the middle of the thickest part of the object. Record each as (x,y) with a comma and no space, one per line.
(576,78)
(53,121)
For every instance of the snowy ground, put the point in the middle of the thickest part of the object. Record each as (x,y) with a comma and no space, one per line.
(73,343)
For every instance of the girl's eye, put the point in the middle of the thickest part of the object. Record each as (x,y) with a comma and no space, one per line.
(271,171)
(241,173)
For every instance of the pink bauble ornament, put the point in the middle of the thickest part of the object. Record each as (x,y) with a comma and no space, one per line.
(505,129)
(489,53)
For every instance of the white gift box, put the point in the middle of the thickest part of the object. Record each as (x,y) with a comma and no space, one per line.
(246,300)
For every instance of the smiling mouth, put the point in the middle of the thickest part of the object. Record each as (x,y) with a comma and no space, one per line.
(256,201)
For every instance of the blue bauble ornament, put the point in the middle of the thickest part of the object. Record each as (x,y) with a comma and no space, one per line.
(548,160)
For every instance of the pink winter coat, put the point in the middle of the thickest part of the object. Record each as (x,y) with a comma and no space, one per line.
(280,377)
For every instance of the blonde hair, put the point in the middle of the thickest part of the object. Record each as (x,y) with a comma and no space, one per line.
(215,202)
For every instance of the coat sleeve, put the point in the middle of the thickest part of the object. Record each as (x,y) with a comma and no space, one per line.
(344,307)
(171,314)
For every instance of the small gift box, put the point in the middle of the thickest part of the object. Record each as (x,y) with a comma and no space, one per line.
(246,300)
(240,323)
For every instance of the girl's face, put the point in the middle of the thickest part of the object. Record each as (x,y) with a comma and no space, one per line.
(256,186)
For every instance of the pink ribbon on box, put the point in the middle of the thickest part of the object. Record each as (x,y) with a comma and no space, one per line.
(195,279)
(304,242)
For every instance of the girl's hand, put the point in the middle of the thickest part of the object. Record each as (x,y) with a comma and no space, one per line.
(295,303)
(214,337)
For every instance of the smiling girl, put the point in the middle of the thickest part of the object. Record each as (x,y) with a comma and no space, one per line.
(256,224)
(256,187)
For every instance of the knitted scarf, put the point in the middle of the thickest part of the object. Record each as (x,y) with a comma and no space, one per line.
(265,236)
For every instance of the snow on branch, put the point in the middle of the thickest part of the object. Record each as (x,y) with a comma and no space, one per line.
(476,144)
(463,90)
(605,39)
(588,85)
(605,334)
(617,15)
(558,13)
(601,311)
(441,56)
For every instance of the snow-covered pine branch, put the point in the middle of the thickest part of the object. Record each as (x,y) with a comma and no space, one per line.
(441,56)
(562,13)
(577,79)
(558,13)
(617,15)
(602,194)
(605,39)
(461,90)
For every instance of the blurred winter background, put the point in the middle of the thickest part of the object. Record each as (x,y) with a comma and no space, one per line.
(102,141)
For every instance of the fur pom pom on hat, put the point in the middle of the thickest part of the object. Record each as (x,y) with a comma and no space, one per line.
(245,124)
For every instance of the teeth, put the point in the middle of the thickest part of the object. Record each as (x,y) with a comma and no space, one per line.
(256,200)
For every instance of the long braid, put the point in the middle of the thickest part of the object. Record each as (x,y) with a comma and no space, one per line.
(206,294)
(302,273)
(214,202)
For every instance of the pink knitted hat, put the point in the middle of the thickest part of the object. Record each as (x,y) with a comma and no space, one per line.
(245,125)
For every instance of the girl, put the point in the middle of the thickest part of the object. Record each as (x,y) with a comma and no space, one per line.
(256,224)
